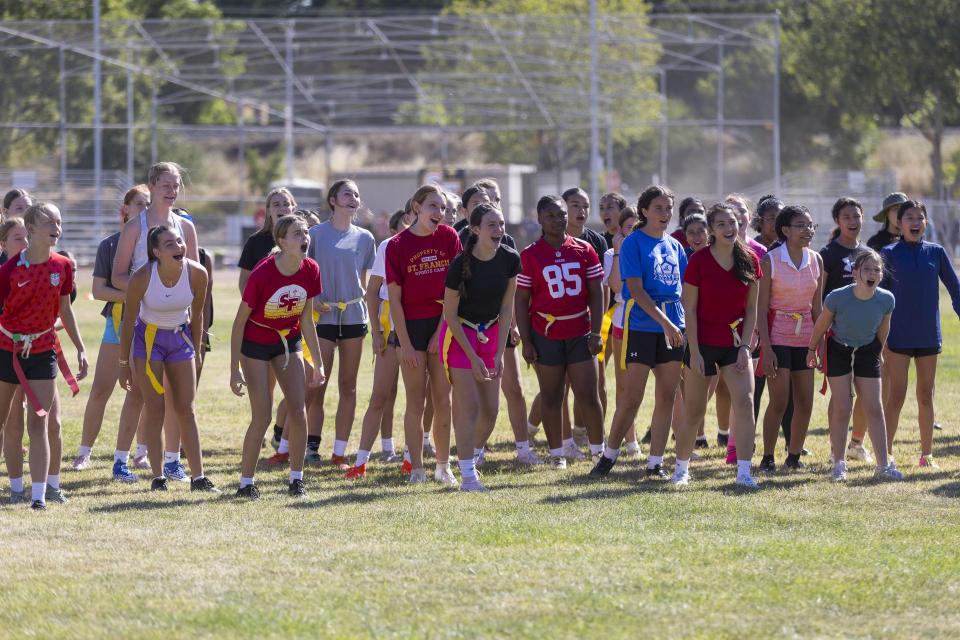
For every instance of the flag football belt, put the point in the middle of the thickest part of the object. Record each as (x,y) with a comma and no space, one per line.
(661,304)
(24,343)
(550,318)
(479,327)
(149,336)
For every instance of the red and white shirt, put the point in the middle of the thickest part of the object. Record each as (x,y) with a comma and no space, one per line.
(30,297)
(278,300)
(557,280)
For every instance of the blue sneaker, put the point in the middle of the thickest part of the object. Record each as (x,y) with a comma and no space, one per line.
(175,471)
(122,473)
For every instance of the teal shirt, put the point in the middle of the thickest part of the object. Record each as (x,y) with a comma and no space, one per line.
(855,321)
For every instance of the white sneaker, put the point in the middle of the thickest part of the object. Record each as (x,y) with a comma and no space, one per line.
(573,452)
(480,459)
(890,472)
(580,436)
(80,463)
(859,452)
(445,477)
(473,486)
(840,472)
(632,450)
(141,462)
(694,456)
(528,457)
(746,480)
(680,479)
(558,462)
(418,476)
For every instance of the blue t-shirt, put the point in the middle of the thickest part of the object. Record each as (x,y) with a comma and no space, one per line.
(660,263)
(855,321)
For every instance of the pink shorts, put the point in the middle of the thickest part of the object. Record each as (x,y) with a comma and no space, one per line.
(453,355)
(618,333)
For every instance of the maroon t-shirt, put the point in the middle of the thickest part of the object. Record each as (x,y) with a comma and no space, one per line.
(419,265)
(721,298)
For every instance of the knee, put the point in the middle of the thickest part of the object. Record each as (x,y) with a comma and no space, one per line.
(743,405)
(347,390)
(100,393)
(925,395)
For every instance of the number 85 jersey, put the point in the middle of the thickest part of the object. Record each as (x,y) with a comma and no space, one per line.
(557,280)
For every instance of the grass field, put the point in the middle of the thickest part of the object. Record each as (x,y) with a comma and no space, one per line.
(545,553)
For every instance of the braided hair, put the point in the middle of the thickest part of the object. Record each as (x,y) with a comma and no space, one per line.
(743,258)
(476,218)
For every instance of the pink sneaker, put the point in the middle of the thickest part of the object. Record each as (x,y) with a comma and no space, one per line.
(731,454)
(141,462)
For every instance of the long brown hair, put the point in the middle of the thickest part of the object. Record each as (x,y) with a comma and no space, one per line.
(743,259)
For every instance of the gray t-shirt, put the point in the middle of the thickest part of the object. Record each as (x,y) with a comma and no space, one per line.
(343,256)
(103,267)
(855,321)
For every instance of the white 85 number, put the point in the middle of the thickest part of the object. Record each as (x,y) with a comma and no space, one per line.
(561,279)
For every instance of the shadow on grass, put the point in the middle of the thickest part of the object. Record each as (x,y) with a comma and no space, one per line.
(948,490)
(141,505)
(343,498)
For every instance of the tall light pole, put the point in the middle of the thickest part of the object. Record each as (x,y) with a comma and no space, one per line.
(594,108)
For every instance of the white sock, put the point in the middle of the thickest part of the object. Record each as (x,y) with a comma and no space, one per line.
(743,467)
(523,446)
(284,446)
(54,481)
(722,432)
(362,456)
(682,466)
(596,449)
(568,442)
(426,437)
(199,477)
(443,466)
(120,456)
(532,427)
(406,455)
(653,461)
(339,447)
(467,470)
(386,444)
(39,490)
(296,475)
(141,450)
(170,456)
(477,452)
(84,451)
(612,454)
(245,482)
(16,484)
(556,453)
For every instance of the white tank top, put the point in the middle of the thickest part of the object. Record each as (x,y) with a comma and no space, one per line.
(140,249)
(167,307)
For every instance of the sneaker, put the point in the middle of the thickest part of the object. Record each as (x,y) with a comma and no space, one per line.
(275,443)
(646,437)
(390,457)
(277,460)
(746,480)
(840,472)
(938,426)
(806,452)
(859,452)
(296,489)
(602,468)
(657,472)
(631,450)
(723,439)
(928,462)
(532,430)
(203,484)
(312,458)
(175,471)
(574,452)
(122,473)
(18,497)
(701,443)
(528,457)
(38,505)
(731,455)
(406,468)
(445,477)
(141,462)
(680,479)
(418,476)
(481,458)
(158,484)
(80,463)
(428,450)
(357,472)
(767,464)
(55,495)
(794,464)
(558,462)
(889,472)
(580,436)
(250,491)
(339,462)
(473,486)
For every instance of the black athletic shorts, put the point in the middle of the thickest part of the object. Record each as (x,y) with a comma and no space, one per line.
(257,351)
(334,332)
(793,358)
(714,358)
(37,366)
(916,352)
(864,362)
(650,348)
(420,332)
(555,353)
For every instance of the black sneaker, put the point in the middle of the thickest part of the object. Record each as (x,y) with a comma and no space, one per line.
(767,465)
(656,472)
(646,437)
(296,489)
(723,439)
(203,484)
(38,505)
(602,468)
(793,463)
(701,443)
(249,491)
(158,484)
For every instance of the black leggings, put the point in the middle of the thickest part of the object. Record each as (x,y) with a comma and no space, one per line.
(761,383)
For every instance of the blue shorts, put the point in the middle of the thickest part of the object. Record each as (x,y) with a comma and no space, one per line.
(109,334)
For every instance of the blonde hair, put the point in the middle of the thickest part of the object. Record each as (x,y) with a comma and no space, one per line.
(38,211)
(267,228)
(9,225)
(282,227)
(421,194)
(160,168)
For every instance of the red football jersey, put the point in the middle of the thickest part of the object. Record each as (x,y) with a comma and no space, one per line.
(557,280)
(278,300)
(30,297)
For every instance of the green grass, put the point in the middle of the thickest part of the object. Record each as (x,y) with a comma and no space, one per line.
(547,554)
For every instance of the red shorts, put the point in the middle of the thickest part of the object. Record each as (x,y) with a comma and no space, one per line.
(618,333)
(453,355)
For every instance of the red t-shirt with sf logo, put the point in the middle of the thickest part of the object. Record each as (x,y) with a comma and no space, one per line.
(419,265)
(557,280)
(30,297)
(278,300)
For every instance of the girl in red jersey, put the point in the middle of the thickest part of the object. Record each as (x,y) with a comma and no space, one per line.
(720,307)
(416,263)
(277,302)
(35,290)
(559,306)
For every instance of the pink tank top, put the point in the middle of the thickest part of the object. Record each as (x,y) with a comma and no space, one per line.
(791,297)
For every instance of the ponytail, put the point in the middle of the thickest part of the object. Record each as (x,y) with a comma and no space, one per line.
(476,218)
